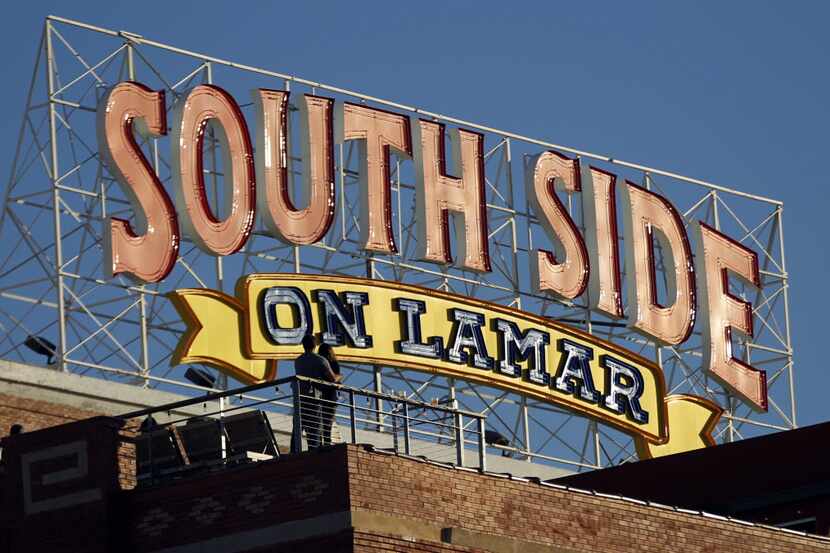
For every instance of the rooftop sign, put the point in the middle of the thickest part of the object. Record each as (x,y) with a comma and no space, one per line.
(145,171)
(445,192)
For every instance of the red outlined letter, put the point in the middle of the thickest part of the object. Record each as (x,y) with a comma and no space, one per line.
(148,254)
(566,278)
(210,105)
(438,195)
(379,132)
(650,216)
(295,226)
(717,254)
(599,208)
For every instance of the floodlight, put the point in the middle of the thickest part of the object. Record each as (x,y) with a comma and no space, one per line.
(495,438)
(200,377)
(42,346)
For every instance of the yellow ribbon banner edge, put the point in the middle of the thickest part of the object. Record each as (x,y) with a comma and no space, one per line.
(211,340)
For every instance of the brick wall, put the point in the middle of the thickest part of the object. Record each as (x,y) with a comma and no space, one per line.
(127,454)
(377,542)
(297,488)
(34,415)
(59,489)
(529,511)
(346,498)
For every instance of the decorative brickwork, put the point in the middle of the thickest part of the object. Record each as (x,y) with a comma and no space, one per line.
(342,498)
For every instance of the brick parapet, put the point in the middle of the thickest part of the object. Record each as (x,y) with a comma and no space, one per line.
(36,415)
(352,498)
(295,488)
(523,510)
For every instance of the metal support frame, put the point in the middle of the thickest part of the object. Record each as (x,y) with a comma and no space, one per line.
(51,282)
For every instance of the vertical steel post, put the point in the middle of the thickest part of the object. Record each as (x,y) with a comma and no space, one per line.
(459,439)
(780,220)
(222,428)
(482,446)
(377,380)
(407,448)
(395,430)
(56,199)
(145,350)
(130,58)
(341,173)
(597,447)
(220,271)
(526,430)
(142,306)
(378,387)
(297,430)
(352,417)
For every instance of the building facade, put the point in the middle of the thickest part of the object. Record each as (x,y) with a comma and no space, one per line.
(72,488)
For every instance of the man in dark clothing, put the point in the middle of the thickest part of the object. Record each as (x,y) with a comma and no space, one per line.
(312,365)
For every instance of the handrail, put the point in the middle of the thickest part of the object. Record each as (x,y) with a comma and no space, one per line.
(407,423)
(211,396)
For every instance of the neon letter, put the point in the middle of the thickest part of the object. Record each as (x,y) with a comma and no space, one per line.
(438,195)
(210,105)
(283,295)
(149,255)
(649,217)
(722,312)
(378,132)
(412,344)
(623,388)
(466,333)
(567,278)
(599,209)
(516,345)
(574,375)
(281,217)
(339,319)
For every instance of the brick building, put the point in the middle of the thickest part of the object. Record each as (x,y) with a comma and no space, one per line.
(70,487)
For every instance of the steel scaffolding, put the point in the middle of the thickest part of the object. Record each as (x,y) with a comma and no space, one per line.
(52,285)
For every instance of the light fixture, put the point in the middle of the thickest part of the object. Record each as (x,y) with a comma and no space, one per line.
(42,346)
(495,438)
(200,377)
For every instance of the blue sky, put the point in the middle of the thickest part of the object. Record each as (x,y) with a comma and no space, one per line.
(732,92)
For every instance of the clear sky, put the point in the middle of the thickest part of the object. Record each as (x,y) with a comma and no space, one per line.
(731,92)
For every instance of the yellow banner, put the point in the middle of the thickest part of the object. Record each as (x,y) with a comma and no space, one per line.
(400,325)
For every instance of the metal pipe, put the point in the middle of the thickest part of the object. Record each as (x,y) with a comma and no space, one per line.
(482,446)
(56,199)
(352,417)
(459,439)
(297,429)
(406,444)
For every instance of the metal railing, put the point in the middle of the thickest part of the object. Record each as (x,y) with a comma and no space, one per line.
(294,414)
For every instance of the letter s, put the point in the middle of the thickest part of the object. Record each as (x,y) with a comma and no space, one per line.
(148,254)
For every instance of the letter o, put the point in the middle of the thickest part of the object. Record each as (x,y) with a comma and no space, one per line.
(210,105)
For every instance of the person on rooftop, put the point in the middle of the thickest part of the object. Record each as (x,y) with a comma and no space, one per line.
(329,399)
(312,365)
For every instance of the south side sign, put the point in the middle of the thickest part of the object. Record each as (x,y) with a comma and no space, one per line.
(257,180)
